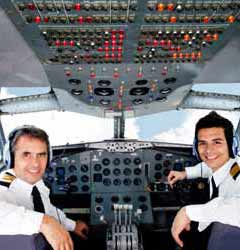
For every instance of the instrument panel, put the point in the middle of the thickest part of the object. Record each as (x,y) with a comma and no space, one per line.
(137,178)
(131,56)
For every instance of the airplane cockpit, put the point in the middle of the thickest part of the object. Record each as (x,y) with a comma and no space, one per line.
(119,60)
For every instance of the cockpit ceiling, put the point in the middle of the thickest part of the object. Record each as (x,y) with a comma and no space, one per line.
(109,57)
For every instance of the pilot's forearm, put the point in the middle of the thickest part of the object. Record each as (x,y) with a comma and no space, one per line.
(224,210)
(18,220)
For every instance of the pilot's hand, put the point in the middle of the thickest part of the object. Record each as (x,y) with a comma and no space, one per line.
(181,222)
(81,229)
(175,176)
(56,234)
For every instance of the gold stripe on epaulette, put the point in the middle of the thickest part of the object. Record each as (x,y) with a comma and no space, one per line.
(7,177)
(235,171)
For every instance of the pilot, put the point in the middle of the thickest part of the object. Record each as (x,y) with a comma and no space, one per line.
(25,207)
(217,148)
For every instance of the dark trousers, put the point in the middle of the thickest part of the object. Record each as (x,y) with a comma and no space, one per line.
(224,237)
(194,239)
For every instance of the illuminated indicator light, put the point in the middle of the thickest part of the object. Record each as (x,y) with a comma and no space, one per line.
(46,19)
(106,43)
(148,42)
(231,19)
(162,42)
(186,37)
(31,6)
(68,73)
(173,19)
(114,43)
(121,36)
(37,19)
(64,43)
(113,37)
(116,74)
(193,56)
(139,49)
(107,56)
(119,49)
(92,74)
(71,43)
(206,19)
(208,38)
(77,6)
(58,43)
(113,55)
(139,75)
(100,49)
(160,7)
(181,55)
(114,32)
(187,56)
(80,19)
(174,55)
(169,43)
(172,48)
(113,49)
(155,43)
(215,37)
(170,7)
(119,55)
(121,32)
(199,54)
(106,49)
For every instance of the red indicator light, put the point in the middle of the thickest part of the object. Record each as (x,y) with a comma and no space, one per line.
(64,43)
(206,19)
(231,19)
(57,43)
(80,19)
(78,6)
(173,19)
(170,7)
(46,19)
(72,43)
(37,19)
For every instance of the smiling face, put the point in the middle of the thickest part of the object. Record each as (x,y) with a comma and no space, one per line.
(30,158)
(212,147)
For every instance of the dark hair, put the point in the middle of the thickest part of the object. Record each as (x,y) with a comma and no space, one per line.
(213,119)
(30,131)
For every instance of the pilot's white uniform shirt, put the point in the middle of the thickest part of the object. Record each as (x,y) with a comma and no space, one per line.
(226,207)
(17,215)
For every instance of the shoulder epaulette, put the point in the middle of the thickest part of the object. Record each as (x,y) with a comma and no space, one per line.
(6,179)
(235,171)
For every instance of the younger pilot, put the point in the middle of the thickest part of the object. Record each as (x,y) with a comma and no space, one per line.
(216,146)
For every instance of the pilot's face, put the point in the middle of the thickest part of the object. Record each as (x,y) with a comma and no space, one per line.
(30,159)
(212,147)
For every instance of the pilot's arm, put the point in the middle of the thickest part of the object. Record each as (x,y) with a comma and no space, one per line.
(199,170)
(224,210)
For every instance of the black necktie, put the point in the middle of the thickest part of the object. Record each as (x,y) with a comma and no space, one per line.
(37,200)
(214,189)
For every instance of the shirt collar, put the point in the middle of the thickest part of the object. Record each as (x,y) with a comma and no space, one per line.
(222,172)
(28,187)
